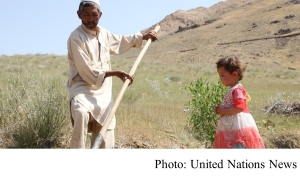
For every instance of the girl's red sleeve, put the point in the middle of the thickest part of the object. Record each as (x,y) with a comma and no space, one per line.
(239,99)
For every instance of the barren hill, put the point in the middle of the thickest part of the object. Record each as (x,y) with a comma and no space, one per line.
(262,32)
(182,18)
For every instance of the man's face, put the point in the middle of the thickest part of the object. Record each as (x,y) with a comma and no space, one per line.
(90,17)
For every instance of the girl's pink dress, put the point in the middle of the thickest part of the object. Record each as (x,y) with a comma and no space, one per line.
(238,128)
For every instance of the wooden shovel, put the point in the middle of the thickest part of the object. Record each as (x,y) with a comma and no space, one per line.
(113,110)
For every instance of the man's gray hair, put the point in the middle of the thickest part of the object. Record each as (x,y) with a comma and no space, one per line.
(87,4)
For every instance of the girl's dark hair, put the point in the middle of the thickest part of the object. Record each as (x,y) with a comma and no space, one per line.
(87,4)
(231,64)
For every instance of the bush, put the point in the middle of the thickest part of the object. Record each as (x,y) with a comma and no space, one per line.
(36,111)
(203,120)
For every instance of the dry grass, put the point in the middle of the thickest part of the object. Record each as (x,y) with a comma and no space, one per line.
(151,116)
(151,112)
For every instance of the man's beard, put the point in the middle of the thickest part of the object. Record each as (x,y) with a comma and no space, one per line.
(90,25)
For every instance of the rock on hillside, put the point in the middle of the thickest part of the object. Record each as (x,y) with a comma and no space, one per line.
(182,18)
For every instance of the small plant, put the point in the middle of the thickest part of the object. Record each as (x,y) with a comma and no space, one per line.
(203,120)
(175,78)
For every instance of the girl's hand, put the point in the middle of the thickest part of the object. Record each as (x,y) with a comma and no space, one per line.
(218,110)
(217,107)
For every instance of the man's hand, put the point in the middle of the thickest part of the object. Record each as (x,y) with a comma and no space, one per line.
(152,34)
(121,74)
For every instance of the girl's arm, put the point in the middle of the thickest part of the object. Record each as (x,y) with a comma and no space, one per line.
(228,111)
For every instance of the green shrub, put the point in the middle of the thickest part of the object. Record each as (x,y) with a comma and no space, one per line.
(203,120)
(44,120)
(35,110)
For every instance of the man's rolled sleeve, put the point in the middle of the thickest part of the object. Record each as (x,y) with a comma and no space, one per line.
(139,40)
(100,78)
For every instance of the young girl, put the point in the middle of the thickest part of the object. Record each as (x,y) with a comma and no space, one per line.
(236,127)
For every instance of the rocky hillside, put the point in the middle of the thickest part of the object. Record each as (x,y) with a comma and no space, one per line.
(181,18)
(262,32)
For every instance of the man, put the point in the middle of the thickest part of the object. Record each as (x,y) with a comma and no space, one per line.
(90,74)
